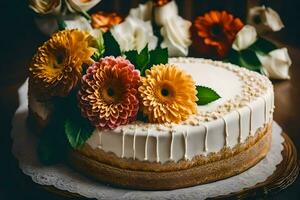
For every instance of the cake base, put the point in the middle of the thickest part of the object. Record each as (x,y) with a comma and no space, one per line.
(167,180)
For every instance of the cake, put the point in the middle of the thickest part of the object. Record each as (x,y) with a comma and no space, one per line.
(223,138)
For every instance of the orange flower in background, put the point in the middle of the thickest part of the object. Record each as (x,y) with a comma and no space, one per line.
(214,33)
(168,94)
(104,21)
(108,96)
(159,3)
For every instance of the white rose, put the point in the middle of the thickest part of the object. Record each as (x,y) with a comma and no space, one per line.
(81,23)
(143,11)
(264,19)
(45,6)
(276,64)
(165,12)
(134,34)
(176,36)
(80,5)
(245,38)
(48,25)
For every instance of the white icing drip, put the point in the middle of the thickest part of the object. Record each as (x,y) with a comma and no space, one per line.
(250,119)
(185,133)
(123,143)
(240,126)
(157,148)
(205,138)
(225,132)
(265,109)
(272,107)
(133,144)
(171,146)
(146,146)
(100,140)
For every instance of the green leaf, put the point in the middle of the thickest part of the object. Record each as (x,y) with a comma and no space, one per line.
(66,129)
(61,24)
(139,60)
(262,46)
(249,60)
(48,151)
(99,45)
(85,15)
(246,58)
(52,145)
(143,58)
(77,130)
(131,56)
(112,47)
(206,95)
(146,59)
(158,56)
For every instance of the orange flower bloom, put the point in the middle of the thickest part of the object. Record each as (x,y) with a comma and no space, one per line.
(214,33)
(57,65)
(168,94)
(104,21)
(159,3)
(108,96)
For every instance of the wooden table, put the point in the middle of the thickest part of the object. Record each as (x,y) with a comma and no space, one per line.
(16,55)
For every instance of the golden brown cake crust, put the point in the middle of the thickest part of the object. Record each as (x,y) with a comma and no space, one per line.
(130,173)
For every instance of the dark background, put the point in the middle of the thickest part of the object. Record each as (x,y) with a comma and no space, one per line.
(19,39)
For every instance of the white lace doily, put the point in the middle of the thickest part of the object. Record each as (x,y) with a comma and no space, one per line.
(64,178)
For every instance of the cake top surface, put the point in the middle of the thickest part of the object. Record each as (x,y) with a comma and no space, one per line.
(223,81)
(238,87)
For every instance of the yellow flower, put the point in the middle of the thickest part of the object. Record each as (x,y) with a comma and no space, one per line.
(167,94)
(57,66)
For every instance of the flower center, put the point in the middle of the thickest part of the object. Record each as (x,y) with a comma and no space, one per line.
(110,92)
(165,92)
(113,91)
(58,59)
(216,30)
(257,19)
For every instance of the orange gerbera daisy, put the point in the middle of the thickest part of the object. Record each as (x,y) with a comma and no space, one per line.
(214,33)
(167,94)
(108,96)
(56,67)
(104,20)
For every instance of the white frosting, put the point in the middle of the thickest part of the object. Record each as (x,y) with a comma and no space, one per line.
(207,75)
(163,143)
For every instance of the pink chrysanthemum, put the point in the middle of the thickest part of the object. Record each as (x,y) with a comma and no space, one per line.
(108,95)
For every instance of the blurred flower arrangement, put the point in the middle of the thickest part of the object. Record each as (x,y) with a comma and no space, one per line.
(52,15)
(103,71)
(220,35)
(215,34)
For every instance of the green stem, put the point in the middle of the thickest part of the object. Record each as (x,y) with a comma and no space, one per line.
(85,15)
